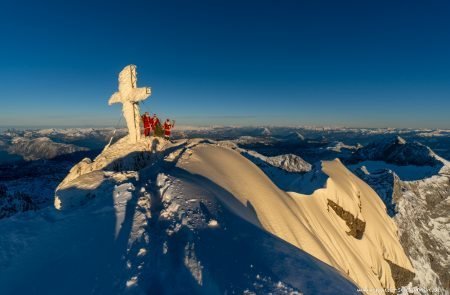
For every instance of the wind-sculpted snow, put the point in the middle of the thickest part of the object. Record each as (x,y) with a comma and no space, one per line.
(41,148)
(289,172)
(138,224)
(306,221)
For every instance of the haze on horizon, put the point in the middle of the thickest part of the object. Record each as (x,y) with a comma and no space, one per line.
(348,63)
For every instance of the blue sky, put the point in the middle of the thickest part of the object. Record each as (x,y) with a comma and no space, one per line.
(352,63)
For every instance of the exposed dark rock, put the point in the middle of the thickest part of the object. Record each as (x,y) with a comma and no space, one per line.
(356,225)
(400,275)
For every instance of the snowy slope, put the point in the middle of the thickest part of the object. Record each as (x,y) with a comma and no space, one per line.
(41,148)
(306,221)
(134,221)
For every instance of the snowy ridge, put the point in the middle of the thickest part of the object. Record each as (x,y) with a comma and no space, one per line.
(146,211)
(288,171)
(293,137)
(134,222)
(41,148)
(286,162)
(338,146)
(397,151)
(284,214)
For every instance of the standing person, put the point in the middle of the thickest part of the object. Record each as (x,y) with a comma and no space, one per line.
(167,128)
(147,124)
(156,125)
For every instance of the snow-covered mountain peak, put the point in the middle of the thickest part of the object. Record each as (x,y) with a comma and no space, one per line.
(397,151)
(398,140)
(337,146)
(266,132)
(335,222)
(171,200)
(293,137)
(286,162)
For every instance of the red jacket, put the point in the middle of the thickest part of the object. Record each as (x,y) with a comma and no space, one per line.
(167,127)
(154,122)
(147,121)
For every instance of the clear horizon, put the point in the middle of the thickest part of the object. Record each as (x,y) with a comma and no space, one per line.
(352,64)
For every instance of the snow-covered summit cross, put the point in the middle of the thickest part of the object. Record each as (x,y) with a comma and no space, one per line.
(130,95)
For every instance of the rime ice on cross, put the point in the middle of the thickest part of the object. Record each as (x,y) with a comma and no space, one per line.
(129,95)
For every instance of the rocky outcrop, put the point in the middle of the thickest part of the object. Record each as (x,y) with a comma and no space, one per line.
(401,275)
(355,225)
(424,224)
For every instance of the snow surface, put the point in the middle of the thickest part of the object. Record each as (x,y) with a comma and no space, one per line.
(304,221)
(134,222)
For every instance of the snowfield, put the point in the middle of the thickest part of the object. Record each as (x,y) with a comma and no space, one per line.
(132,221)
(190,185)
(242,216)
(307,221)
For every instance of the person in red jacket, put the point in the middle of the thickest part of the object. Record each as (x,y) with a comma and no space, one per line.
(167,128)
(147,123)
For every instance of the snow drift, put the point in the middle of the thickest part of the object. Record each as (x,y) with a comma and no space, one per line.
(131,221)
(196,216)
(344,224)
